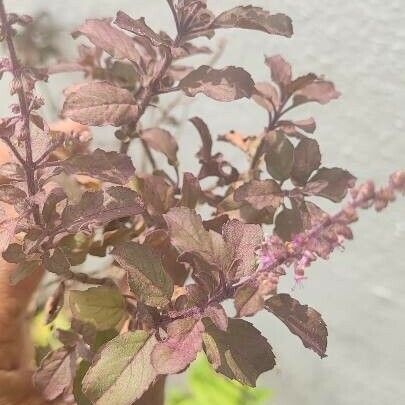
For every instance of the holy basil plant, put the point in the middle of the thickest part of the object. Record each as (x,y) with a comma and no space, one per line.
(161,302)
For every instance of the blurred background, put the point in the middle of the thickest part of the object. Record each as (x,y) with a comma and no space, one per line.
(360,46)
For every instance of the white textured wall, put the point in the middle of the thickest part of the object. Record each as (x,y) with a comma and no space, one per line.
(360,45)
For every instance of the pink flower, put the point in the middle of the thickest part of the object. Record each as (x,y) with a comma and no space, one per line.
(330,233)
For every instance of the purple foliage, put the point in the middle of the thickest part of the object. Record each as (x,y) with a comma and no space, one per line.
(148,221)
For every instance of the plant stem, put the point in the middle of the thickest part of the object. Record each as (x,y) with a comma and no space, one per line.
(86,279)
(272,125)
(176,19)
(14,150)
(24,110)
(149,155)
(144,97)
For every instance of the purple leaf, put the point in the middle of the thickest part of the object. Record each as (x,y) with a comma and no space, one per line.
(24,270)
(49,208)
(298,84)
(10,194)
(11,172)
(57,263)
(205,272)
(194,19)
(216,223)
(111,167)
(191,191)
(291,128)
(255,18)
(189,235)
(314,187)
(249,300)
(14,253)
(218,316)
(253,216)
(338,182)
(280,70)
(241,353)
(308,125)
(181,347)
(260,194)
(288,223)
(266,96)
(307,158)
(139,28)
(320,91)
(54,378)
(157,194)
(204,250)
(161,141)
(110,39)
(228,84)
(97,208)
(303,321)
(7,231)
(241,242)
(205,152)
(280,156)
(212,165)
(99,104)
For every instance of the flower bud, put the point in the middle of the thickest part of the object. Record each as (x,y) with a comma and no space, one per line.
(397,180)
(15,86)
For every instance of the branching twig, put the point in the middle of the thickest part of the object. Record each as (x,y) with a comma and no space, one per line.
(14,150)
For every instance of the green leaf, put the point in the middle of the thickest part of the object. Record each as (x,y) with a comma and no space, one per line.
(77,383)
(102,307)
(241,353)
(147,277)
(122,370)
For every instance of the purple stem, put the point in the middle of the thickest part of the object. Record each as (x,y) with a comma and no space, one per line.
(16,70)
